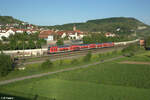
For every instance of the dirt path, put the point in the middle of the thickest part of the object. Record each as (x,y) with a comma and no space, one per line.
(134,62)
(62,70)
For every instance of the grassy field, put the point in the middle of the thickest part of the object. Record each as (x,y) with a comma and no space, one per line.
(107,81)
(77,90)
(32,69)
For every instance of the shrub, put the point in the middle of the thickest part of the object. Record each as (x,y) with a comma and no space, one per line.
(108,54)
(74,61)
(114,52)
(60,42)
(87,57)
(6,64)
(47,64)
(100,55)
(131,50)
(61,62)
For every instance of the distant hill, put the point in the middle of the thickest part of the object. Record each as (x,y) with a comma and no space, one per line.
(119,25)
(124,25)
(9,20)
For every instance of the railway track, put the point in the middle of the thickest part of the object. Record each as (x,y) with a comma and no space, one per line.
(69,53)
(65,55)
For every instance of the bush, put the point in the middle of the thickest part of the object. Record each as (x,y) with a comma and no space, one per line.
(114,52)
(6,64)
(100,55)
(87,57)
(60,42)
(74,61)
(108,54)
(131,50)
(61,62)
(47,64)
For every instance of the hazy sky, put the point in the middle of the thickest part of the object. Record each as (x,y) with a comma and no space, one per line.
(52,12)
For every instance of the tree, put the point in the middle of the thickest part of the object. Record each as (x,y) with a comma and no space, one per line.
(1,46)
(147,42)
(74,61)
(31,44)
(87,57)
(60,42)
(6,64)
(4,38)
(47,64)
(130,50)
(61,62)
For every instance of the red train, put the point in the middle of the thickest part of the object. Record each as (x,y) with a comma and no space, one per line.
(65,48)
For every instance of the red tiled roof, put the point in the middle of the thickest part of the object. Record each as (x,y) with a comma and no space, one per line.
(45,33)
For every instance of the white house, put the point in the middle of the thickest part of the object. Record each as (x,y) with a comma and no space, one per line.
(50,38)
(47,35)
(73,36)
(28,31)
(76,35)
(63,35)
(108,34)
(6,33)
(19,31)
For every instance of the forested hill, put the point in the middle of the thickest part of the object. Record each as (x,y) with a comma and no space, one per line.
(9,20)
(125,25)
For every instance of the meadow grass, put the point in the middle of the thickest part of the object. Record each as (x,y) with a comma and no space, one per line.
(106,81)
(76,90)
(32,69)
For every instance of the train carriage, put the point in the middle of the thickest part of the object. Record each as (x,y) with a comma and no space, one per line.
(75,47)
(52,49)
(84,46)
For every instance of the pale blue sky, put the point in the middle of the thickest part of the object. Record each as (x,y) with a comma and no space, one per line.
(52,12)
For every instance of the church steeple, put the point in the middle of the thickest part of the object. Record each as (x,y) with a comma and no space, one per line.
(74,28)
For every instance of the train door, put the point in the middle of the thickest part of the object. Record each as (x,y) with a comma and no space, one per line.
(53,49)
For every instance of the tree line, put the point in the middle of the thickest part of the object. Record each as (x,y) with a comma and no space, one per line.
(101,38)
(21,41)
(125,25)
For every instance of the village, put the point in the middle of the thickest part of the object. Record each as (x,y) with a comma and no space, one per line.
(50,36)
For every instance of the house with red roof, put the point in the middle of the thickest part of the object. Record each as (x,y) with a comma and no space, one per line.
(47,35)
(108,34)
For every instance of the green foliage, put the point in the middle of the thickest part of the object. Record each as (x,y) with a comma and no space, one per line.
(60,42)
(147,42)
(105,25)
(131,50)
(114,52)
(74,61)
(107,81)
(100,38)
(47,64)
(31,44)
(6,64)
(9,20)
(61,62)
(4,38)
(87,57)
(100,55)
(23,41)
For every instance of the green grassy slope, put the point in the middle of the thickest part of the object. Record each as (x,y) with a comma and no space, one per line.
(8,20)
(107,81)
(108,24)
(77,90)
